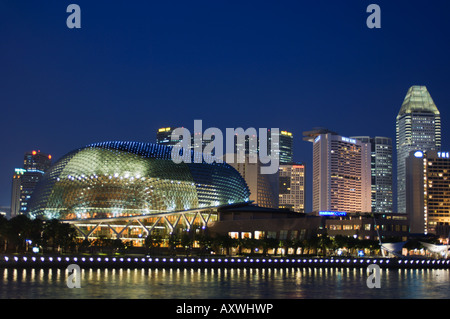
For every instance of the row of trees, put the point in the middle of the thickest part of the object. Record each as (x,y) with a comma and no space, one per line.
(316,245)
(20,234)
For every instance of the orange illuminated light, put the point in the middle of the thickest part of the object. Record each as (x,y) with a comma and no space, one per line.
(34,152)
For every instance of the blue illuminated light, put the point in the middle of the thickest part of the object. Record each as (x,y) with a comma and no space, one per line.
(443,154)
(348,140)
(332,213)
(418,154)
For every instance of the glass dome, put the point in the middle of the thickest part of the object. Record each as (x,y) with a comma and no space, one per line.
(119,179)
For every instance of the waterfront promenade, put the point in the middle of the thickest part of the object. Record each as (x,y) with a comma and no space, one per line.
(38,261)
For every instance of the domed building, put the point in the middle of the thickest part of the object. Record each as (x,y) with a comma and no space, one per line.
(128,190)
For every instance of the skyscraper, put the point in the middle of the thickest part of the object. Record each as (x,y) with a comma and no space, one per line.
(418,127)
(341,173)
(163,136)
(428,191)
(381,172)
(25,180)
(292,187)
(285,146)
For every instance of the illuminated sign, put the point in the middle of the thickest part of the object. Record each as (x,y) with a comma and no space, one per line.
(20,171)
(443,154)
(332,213)
(418,154)
(317,139)
(348,140)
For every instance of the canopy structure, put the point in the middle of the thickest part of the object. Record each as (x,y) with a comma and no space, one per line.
(396,248)
(393,248)
(439,249)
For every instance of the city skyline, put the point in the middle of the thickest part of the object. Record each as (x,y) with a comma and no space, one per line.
(318,66)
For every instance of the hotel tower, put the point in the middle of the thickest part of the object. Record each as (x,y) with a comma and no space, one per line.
(341,173)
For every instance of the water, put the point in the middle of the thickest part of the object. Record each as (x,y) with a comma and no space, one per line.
(287,283)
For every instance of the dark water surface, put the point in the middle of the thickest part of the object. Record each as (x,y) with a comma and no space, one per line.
(284,283)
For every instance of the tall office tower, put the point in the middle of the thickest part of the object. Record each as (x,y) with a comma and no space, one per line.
(16,192)
(381,172)
(341,173)
(428,191)
(418,127)
(263,187)
(163,136)
(285,146)
(25,180)
(37,161)
(292,187)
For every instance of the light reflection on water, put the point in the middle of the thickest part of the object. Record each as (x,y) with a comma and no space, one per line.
(288,283)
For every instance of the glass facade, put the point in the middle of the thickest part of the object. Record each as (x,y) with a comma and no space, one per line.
(418,127)
(25,179)
(125,179)
(381,172)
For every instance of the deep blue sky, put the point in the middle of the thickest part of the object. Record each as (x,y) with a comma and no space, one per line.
(135,66)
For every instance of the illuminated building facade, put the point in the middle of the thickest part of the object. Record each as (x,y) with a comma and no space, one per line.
(291,188)
(428,191)
(129,190)
(368,226)
(341,174)
(163,137)
(418,127)
(285,146)
(381,172)
(25,180)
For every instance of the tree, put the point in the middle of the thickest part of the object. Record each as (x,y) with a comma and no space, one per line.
(205,243)
(225,242)
(174,241)
(50,233)
(296,244)
(16,230)
(249,243)
(60,236)
(285,244)
(151,242)
(312,243)
(3,233)
(324,243)
(269,243)
(186,242)
(66,237)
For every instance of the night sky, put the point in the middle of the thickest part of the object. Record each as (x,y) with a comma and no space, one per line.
(135,66)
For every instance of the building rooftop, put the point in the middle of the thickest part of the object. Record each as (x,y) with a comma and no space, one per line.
(418,100)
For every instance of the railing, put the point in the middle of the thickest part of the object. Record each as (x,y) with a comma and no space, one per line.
(13,261)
